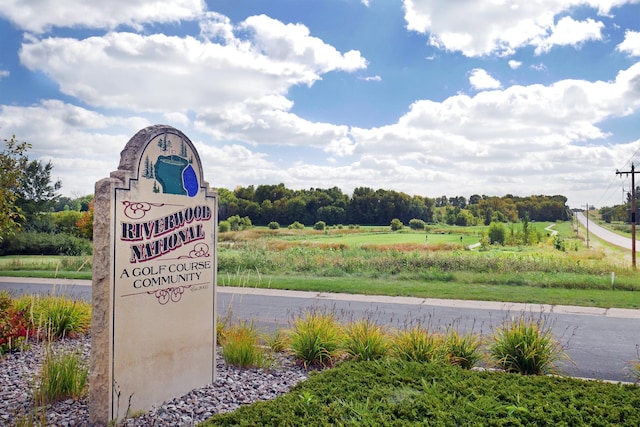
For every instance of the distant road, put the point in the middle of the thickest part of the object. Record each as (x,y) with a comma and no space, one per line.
(606,235)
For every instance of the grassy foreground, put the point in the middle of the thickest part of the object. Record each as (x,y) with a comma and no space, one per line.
(397,393)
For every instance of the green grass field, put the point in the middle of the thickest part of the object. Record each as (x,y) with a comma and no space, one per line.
(377,261)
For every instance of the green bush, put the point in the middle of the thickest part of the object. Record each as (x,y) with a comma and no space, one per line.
(417,224)
(497,233)
(34,243)
(62,376)
(273,225)
(320,225)
(396,224)
(392,393)
(224,226)
(364,340)
(296,226)
(525,346)
(316,338)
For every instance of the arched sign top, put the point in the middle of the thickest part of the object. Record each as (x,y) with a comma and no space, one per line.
(163,160)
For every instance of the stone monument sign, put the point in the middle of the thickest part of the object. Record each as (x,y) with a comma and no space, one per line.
(154,277)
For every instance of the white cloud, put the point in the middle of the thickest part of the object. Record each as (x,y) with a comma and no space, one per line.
(514,65)
(478,28)
(83,145)
(371,78)
(3,74)
(631,43)
(481,80)
(571,33)
(167,73)
(41,15)
(516,136)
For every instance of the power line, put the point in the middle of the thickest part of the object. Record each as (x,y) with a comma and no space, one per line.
(633,173)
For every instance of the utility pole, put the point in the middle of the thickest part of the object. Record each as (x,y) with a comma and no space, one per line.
(633,212)
(587,225)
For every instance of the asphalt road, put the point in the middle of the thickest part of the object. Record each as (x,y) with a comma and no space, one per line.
(600,342)
(604,234)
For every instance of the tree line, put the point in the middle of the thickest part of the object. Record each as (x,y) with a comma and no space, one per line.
(264,204)
(30,202)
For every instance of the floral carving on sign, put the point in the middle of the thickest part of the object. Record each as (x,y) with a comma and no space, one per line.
(169,294)
(138,210)
(200,250)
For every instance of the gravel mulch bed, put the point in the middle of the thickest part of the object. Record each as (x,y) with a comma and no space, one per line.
(233,387)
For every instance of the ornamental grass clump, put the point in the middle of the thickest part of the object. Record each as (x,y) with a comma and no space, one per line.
(241,346)
(63,375)
(365,340)
(316,338)
(525,346)
(278,341)
(417,344)
(54,317)
(462,349)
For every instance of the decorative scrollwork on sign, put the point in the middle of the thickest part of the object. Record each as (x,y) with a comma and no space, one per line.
(138,210)
(169,294)
(200,250)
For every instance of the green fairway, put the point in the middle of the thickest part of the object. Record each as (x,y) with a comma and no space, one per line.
(392,238)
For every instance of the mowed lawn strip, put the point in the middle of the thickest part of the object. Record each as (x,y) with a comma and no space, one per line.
(445,290)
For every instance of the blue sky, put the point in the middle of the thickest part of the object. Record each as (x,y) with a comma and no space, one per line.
(428,97)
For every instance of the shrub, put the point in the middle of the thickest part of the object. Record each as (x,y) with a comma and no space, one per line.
(224,226)
(62,376)
(273,225)
(497,233)
(14,329)
(364,340)
(416,344)
(396,224)
(54,317)
(316,338)
(34,243)
(525,346)
(417,224)
(240,346)
(320,225)
(462,350)
(296,226)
